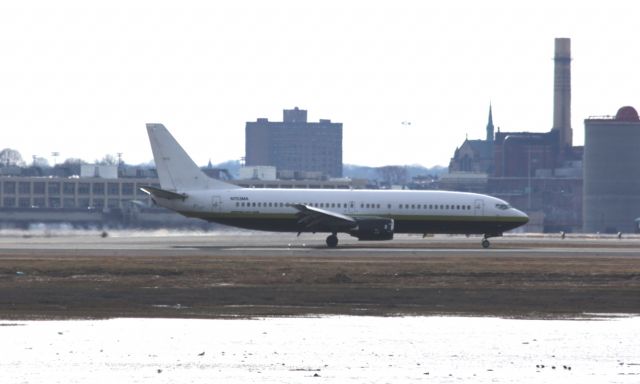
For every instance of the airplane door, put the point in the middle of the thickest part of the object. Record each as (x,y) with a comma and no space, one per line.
(478,207)
(216,204)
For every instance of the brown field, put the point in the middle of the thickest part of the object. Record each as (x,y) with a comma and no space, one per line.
(203,278)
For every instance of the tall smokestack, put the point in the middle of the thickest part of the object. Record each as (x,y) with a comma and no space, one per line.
(562,92)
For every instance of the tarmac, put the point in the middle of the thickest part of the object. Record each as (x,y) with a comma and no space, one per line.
(229,274)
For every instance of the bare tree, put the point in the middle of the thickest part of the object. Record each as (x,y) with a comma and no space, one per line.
(11,157)
(108,159)
(74,161)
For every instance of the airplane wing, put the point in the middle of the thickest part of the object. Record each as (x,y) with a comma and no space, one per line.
(317,219)
(162,193)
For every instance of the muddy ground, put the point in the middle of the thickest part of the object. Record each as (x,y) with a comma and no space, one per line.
(64,284)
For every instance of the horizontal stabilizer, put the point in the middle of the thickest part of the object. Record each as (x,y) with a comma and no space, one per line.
(163,193)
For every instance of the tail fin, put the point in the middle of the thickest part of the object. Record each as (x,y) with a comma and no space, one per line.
(176,170)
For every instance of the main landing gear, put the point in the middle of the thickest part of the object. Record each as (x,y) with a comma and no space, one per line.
(332,240)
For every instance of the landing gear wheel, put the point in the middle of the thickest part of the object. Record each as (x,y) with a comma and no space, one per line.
(332,241)
(485,243)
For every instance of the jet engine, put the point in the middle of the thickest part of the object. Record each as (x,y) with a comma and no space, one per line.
(373,228)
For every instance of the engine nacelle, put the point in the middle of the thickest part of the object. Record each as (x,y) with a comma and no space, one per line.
(373,228)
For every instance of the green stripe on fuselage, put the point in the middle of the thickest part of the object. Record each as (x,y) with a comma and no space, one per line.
(403,223)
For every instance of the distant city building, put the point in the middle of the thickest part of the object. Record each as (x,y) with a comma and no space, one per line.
(72,193)
(612,172)
(538,172)
(527,154)
(475,155)
(295,145)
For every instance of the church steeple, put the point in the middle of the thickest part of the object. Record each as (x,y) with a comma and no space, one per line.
(490,128)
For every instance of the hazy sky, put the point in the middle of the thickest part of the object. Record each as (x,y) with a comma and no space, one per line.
(83,77)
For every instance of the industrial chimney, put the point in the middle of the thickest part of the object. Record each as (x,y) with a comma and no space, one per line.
(562,93)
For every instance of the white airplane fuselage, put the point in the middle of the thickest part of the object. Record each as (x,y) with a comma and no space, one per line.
(365,214)
(412,211)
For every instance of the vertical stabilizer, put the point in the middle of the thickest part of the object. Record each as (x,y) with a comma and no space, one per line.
(176,170)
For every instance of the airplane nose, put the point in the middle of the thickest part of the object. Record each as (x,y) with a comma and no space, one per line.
(521,215)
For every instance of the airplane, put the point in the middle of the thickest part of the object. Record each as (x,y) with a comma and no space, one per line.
(364,214)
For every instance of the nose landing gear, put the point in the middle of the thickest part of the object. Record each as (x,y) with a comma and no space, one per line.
(485,240)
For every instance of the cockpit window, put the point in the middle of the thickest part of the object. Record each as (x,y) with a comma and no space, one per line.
(503,207)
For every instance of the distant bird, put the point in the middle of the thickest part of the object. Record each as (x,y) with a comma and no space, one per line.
(201,354)
(406,123)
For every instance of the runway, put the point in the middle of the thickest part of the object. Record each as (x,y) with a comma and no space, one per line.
(247,243)
(246,274)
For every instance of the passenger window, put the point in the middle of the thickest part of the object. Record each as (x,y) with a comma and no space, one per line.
(457,207)
(389,206)
(237,204)
(361,205)
(253,204)
(378,206)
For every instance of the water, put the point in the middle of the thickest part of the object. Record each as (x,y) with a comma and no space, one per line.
(324,349)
